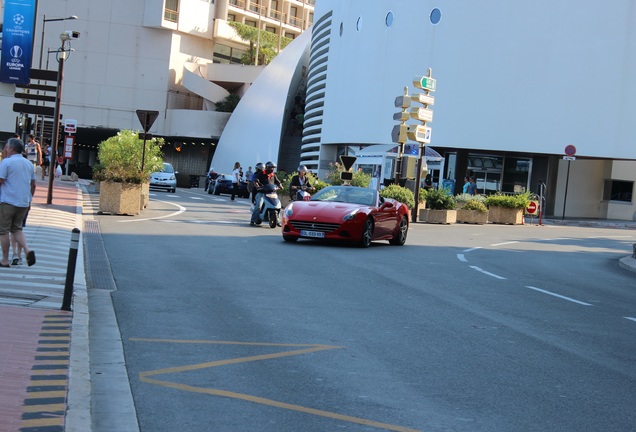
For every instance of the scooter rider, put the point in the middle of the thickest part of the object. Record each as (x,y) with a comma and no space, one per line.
(258,168)
(300,182)
(260,179)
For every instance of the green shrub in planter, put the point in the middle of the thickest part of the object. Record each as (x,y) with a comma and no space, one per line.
(439,199)
(475,205)
(399,193)
(120,158)
(517,201)
(464,198)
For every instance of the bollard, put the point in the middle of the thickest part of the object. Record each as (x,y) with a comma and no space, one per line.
(70,270)
(634,251)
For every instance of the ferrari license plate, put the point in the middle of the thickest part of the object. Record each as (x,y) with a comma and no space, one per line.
(314,234)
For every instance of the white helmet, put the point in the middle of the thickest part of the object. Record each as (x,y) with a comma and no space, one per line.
(302,168)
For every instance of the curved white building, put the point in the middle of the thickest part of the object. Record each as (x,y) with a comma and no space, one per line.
(516,84)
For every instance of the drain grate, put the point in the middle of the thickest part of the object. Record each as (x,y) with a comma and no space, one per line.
(99,274)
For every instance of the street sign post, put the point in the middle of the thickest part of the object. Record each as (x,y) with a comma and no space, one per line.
(146,118)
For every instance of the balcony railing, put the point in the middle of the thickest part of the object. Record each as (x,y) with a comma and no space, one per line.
(296,22)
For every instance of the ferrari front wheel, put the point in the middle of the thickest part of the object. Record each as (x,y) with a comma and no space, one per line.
(400,236)
(367,233)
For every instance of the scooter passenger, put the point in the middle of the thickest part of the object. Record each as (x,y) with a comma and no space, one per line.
(258,168)
(299,183)
(261,179)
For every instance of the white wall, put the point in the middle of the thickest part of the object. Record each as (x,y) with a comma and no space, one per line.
(532,76)
(253,132)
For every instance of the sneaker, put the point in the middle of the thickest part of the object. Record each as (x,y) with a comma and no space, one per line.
(16,260)
(19,261)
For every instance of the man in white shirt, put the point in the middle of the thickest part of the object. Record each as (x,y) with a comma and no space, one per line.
(17,180)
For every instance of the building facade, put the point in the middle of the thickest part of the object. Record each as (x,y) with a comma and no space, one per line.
(517,84)
(177,57)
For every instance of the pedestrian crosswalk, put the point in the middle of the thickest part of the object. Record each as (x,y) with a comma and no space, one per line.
(48,233)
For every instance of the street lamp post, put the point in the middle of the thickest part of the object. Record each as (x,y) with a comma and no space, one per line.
(56,116)
(44,21)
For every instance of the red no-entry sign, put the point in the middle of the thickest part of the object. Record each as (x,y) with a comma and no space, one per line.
(533,208)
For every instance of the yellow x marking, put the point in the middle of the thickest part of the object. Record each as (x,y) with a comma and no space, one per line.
(302,349)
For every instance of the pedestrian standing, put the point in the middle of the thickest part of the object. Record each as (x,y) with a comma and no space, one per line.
(17,180)
(46,160)
(34,152)
(472,187)
(236,178)
(466,186)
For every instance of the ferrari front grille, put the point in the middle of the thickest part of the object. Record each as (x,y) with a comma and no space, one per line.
(315,226)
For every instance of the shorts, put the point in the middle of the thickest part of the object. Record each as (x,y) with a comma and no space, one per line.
(12,218)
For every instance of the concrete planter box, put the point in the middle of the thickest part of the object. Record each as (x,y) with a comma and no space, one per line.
(438,216)
(472,216)
(120,198)
(505,215)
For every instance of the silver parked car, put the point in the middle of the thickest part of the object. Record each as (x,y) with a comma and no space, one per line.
(165,179)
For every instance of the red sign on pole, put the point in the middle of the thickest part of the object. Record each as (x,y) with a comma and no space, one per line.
(570,150)
(532,208)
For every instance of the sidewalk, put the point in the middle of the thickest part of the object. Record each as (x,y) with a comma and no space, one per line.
(36,360)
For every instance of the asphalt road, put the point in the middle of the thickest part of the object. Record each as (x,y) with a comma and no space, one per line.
(465,328)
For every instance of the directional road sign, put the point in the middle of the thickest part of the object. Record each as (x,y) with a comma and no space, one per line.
(422,114)
(423,98)
(420,133)
(424,82)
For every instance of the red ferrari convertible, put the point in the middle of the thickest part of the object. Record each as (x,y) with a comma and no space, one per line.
(347,213)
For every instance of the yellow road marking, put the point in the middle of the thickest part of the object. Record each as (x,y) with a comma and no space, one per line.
(44,408)
(308,348)
(277,404)
(51,421)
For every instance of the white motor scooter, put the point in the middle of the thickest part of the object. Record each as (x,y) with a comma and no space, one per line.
(270,209)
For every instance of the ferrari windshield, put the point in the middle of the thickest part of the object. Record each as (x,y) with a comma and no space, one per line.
(347,194)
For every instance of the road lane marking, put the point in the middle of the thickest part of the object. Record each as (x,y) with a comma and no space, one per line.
(472,249)
(178,212)
(559,296)
(307,348)
(487,273)
(504,243)
(462,258)
(630,318)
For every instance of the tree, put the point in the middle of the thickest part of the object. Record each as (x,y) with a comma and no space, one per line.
(268,45)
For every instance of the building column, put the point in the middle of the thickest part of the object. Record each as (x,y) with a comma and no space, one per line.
(221,9)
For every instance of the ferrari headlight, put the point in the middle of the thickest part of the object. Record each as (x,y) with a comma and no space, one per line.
(350,216)
(289,210)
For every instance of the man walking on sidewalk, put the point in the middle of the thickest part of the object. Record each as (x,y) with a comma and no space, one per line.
(17,183)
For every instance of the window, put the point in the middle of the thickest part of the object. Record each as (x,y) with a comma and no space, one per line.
(617,190)
(225,54)
(171,10)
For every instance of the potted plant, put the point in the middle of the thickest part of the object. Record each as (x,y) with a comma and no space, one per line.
(473,211)
(507,209)
(440,207)
(399,193)
(123,184)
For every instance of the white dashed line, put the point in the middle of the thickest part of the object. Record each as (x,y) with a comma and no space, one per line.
(630,318)
(559,296)
(462,258)
(487,273)
(505,243)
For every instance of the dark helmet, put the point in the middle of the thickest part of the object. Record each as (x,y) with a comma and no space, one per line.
(270,164)
(259,166)
(302,168)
